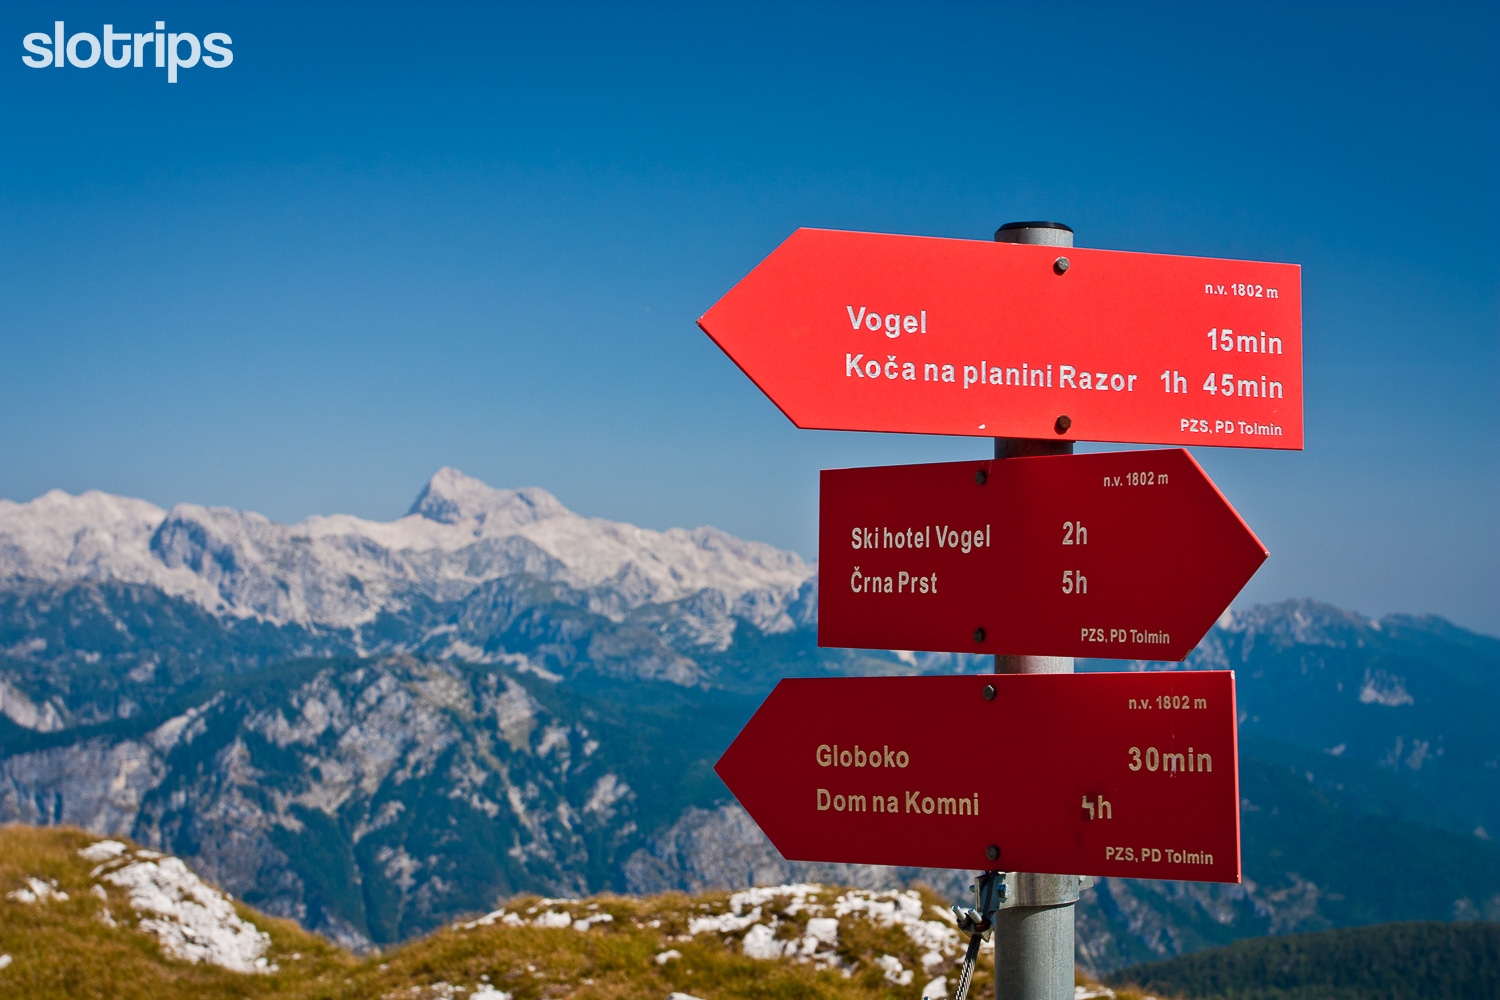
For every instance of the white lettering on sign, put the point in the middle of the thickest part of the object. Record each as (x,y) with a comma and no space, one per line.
(856,365)
(1225,384)
(892,325)
(946,536)
(1170,701)
(1147,478)
(1201,425)
(1154,760)
(1079,378)
(829,755)
(885,538)
(910,581)
(1145,636)
(1243,290)
(1069,377)
(901,582)
(1228,340)
(914,803)
(964,541)
(1157,854)
(907,800)
(982,372)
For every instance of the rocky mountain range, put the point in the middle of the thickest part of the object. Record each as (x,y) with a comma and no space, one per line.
(342,574)
(374,727)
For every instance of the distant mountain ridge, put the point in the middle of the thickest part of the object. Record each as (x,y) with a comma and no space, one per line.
(1410,695)
(342,572)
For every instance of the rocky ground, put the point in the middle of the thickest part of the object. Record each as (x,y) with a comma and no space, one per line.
(85,917)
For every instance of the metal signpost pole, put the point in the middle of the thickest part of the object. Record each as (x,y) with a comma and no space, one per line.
(1034,930)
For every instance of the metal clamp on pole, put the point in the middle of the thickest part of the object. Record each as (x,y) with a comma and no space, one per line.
(1037,889)
(989,891)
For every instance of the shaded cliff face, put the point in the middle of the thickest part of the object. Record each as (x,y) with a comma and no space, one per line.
(367,800)
(372,728)
(372,800)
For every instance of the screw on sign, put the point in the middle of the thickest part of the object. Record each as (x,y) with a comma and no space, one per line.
(874,332)
(1145,786)
(1132,555)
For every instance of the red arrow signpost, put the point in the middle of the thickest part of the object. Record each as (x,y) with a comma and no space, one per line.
(872,332)
(888,771)
(1034,772)
(1119,554)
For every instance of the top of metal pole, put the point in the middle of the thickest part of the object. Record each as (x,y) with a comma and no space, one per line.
(1047,234)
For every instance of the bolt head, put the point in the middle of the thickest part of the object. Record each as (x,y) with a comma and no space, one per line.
(981,477)
(1063,423)
(989,692)
(1060,265)
(992,852)
(979,635)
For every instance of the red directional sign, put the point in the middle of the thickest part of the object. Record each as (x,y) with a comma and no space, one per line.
(871,332)
(930,772)
(1120,554)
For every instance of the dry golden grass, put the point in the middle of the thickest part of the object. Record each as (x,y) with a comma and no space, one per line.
(63,949)
(617,960)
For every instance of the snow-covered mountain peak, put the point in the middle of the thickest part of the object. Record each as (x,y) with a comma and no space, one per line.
(59,534)
(343,571)
(450,497)
(1300,620)
(59,511)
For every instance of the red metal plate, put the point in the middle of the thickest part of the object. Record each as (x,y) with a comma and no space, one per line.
(873,332)
(1129,774)
(1121,554)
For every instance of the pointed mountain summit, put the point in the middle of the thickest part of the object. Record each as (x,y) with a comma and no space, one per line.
(450,497)
(343,571)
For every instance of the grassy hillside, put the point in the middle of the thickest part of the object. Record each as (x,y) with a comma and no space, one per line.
(87,945)
(1401,961)
(84,918)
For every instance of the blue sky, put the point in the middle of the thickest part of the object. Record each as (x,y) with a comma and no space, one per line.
(389,238)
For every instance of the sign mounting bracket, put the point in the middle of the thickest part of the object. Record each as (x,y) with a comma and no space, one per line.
(989,891)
